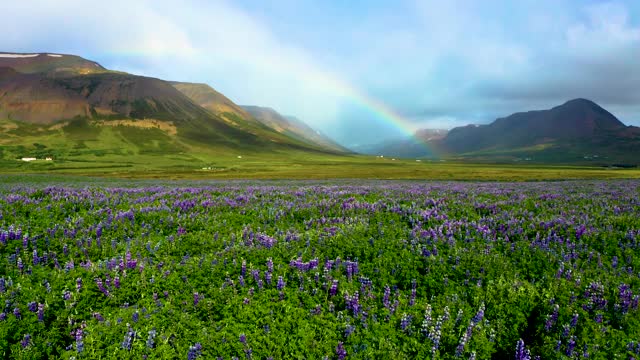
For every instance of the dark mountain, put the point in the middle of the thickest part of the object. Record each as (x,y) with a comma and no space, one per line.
(575,131)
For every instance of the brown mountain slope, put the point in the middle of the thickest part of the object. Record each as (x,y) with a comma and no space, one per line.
(34,98)
(38,98)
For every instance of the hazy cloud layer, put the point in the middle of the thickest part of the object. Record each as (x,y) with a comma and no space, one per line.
(437,63)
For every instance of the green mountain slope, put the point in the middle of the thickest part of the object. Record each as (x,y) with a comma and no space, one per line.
(74,110)
(292,127)
(264,122)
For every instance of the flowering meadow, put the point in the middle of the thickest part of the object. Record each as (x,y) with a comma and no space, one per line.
(371,270)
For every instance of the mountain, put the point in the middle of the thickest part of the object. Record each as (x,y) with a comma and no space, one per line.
(293,127)
(210,99)
(575,131)
(254,118)
(419,145)
(73,107)
(49,64)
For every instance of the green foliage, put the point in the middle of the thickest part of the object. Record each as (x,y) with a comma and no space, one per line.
(488,260)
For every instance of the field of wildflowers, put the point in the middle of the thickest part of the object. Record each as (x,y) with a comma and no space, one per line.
(377,270)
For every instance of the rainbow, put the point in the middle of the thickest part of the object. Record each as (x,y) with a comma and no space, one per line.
(377,108)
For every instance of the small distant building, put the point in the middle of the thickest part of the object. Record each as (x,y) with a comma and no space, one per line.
(48,159)
(28,159)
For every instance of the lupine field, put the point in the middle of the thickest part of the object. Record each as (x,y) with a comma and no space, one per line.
(371,270)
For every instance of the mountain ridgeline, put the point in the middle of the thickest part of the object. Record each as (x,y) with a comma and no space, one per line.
(578,131)
(67,107)
(73,106)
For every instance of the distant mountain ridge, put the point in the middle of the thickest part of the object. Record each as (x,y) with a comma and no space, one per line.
(575,131)
(578,131)
(575,119)
(292,126)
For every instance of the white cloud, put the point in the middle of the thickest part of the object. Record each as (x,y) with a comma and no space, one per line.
(210,42)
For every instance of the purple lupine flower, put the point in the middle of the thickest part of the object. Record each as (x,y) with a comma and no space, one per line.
(348,330)
(333,290)
(101,286)
(16,313)
(341,353)
(626,298)
(571,346)
(151,338)
(405,322)
(243,268)
(66,295)
(36,258)
(317,310)
(574,320)
(20,264)
(522,353)
(463,342)
(40,312)
(2,285)
(552,318)
(79,334)
(98,316)
(78,284)
(270,265)
(69,265)
(435,333)
(129,336)
(385,298)
(598,318)
(243,339)
(256,275)
(32,306)
(194,351)
(3,316)
(267,278)
(196,298)
(136,316)
(281,283)
(26,341)
(426,322)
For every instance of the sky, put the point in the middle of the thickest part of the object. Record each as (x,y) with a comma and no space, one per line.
(361,71)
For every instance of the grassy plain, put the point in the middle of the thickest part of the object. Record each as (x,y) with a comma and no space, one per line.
(92,149)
